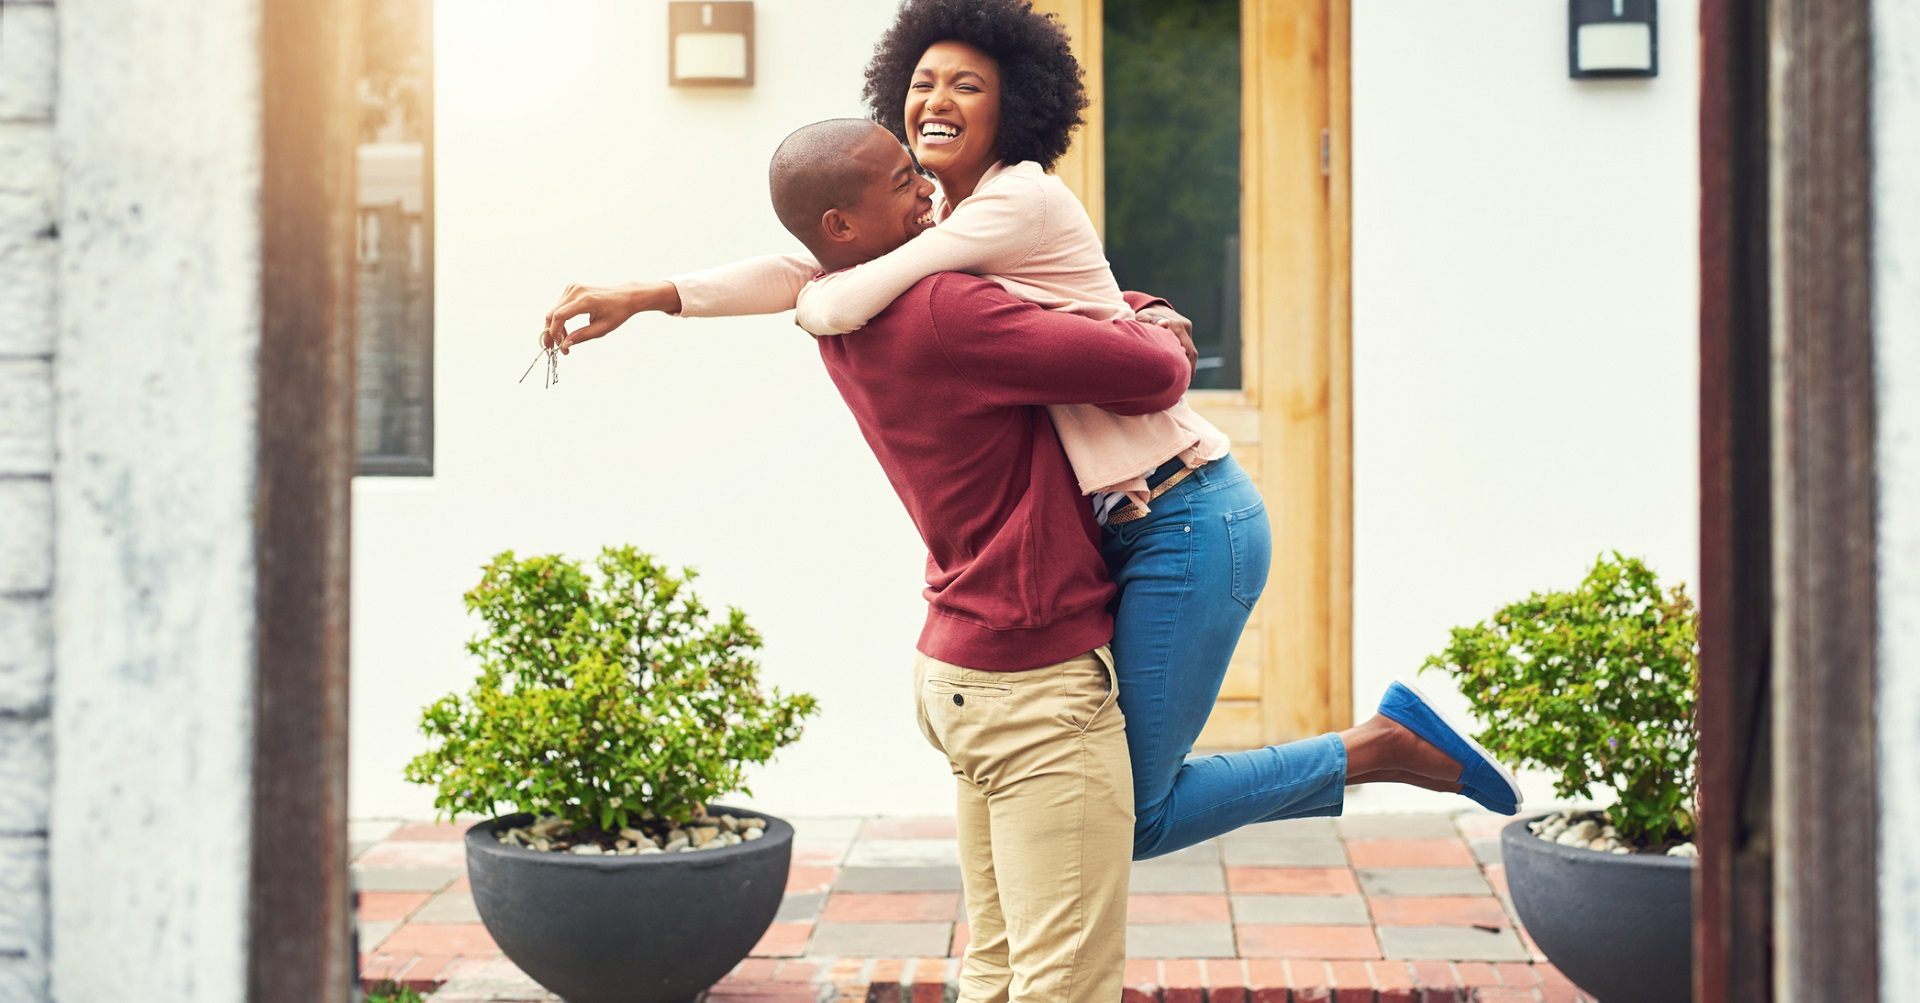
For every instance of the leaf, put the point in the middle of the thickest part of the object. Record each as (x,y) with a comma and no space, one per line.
(1596,684)
(592,683)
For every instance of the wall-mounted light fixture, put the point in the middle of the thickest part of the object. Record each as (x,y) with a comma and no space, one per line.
(1613,38)
(710,44)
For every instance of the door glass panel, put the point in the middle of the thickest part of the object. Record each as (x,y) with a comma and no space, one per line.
(395,241)
(1172,80)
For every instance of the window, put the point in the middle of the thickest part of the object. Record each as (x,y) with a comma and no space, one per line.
(394,257)
(1172,82)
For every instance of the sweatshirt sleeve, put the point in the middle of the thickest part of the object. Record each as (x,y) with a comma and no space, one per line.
(766,284)
(1140,301)
(992,232)
(1015,353)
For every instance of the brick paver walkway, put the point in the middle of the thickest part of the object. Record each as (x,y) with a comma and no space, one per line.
(1374,908)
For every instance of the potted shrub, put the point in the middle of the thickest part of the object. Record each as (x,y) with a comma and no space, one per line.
(609,712)
(1596,685)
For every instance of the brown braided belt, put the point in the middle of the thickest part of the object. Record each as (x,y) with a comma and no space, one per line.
(1130,511)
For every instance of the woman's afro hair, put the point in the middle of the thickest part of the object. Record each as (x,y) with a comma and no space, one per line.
(1041,94)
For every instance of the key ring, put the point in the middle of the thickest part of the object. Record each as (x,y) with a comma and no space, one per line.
(552,355)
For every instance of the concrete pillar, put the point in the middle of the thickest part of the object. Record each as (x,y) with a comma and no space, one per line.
(159,138)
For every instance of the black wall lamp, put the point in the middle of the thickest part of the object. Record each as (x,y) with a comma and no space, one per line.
(1613,38)
(710,44)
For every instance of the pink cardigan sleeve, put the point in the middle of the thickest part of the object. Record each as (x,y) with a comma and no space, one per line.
(993,231)
(767,284)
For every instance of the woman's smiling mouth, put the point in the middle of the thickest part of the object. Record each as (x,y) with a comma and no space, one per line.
(937,132)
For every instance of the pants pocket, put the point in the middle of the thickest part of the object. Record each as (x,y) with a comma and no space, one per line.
(920,702)
(965,689)
(1085,705)
(1250,541)
(958,712)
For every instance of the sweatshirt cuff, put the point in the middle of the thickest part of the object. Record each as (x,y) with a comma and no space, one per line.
(1140,301)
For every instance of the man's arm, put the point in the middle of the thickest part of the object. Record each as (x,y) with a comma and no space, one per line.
(1137,301)
(1154,310)
(1016,353)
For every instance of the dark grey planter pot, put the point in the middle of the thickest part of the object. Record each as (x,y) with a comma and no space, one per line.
(658,928)
(1619,925)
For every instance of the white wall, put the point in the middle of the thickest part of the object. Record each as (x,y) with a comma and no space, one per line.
(1896,278)
(1525,271)
(562,157)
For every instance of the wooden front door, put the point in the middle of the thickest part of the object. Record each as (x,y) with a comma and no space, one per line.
(1288,402)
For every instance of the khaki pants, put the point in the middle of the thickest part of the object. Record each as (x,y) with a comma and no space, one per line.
(1045,806)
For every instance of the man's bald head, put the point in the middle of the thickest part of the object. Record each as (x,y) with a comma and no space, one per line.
(812,172)
(846,167)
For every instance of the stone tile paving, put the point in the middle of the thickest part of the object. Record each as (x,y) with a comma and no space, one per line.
(1370,907)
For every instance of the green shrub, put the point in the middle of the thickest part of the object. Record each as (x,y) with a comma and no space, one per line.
(1595,685)
(601,699)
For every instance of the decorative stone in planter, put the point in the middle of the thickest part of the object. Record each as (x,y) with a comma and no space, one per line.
(1620,925)
(604,928)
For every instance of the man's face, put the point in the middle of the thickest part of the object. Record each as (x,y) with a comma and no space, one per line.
(895,203)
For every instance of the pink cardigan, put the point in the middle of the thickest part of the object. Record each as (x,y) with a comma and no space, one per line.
(1022,228)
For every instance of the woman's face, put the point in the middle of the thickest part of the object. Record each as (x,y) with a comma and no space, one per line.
(953,110)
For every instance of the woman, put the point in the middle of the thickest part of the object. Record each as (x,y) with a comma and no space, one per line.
(985,93)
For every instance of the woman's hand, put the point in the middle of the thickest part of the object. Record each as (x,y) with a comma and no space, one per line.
(606,308)
(1182,328)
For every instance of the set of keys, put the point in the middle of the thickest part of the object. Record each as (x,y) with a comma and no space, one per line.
(552,354)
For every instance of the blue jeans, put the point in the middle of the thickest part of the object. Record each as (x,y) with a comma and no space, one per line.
(1189,574)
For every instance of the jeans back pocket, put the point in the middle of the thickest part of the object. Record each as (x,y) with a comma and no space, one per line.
(1250,540)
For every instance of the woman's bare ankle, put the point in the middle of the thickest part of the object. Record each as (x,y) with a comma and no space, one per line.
(1408,778)
(1383,745)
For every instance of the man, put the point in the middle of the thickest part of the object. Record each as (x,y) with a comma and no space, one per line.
(1014,683)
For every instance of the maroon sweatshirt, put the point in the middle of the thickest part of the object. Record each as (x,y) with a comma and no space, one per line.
(949,385)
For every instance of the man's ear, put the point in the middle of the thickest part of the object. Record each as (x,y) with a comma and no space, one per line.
(836,226)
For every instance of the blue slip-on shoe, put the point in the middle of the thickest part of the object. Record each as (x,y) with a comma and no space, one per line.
(1482,778)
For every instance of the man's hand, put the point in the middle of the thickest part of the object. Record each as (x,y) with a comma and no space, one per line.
(606,308)
(1181,327)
